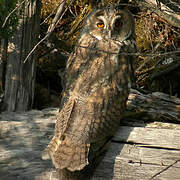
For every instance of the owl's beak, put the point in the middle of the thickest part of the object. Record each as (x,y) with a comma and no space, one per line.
(109,34)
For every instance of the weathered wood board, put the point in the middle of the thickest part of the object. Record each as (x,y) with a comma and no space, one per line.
(138,150)
(140,161)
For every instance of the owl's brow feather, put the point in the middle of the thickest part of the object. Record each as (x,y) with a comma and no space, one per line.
(100,13)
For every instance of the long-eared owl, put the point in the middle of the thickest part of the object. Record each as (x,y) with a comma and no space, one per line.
(97,81)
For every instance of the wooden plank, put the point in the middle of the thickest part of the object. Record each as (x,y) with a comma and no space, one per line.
(124,161)
(164,138)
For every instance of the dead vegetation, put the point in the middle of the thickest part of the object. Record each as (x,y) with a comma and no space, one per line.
(158,44)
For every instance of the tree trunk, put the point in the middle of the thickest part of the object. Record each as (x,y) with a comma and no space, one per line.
(3,60)
(20,76)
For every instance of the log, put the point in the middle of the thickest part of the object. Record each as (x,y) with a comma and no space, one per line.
(155,106)
(146,145)
(166,9)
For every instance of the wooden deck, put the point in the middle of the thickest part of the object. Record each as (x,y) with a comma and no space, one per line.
(140,150)
(142,153)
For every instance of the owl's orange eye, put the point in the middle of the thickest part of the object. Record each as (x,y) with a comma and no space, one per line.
(100,25)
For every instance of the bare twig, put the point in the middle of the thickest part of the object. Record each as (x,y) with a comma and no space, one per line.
(148,60)
(57,18)
(18,6)
(77,25)
(171,4)
(50,14)
(134,54)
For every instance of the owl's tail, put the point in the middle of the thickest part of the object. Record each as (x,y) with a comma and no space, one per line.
(67,155)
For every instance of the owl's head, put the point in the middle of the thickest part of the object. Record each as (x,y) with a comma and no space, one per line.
(110,23)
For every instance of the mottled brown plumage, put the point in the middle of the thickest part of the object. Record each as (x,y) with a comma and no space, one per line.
(97,79)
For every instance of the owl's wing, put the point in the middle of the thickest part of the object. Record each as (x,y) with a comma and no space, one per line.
(61,149)
(60,127)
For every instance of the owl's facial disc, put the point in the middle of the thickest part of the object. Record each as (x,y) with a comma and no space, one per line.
(118,23)
(108,27)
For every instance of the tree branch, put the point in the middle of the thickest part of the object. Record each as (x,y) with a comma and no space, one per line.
(166,71)
(57,18)
(18,6)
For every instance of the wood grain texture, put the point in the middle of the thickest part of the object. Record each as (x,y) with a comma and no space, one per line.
(124,161)
(164,138)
